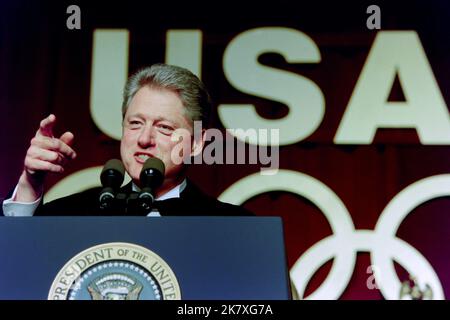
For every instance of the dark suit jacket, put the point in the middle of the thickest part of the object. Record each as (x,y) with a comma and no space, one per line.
(192,202)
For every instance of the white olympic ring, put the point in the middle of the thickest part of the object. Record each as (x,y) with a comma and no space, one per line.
(346,242)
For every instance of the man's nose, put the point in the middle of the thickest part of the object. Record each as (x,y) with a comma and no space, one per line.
(147,137)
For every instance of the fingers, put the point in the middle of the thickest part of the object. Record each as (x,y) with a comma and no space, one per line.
(53,144)
(33,166)
(39,159)
(67,138)
(46,155)
(46,152)
(46,126)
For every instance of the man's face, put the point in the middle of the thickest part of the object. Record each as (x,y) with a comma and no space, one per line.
(150,120)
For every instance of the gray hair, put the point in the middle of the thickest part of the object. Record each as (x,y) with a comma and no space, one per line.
(188,86)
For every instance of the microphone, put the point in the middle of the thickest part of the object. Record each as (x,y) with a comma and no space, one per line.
(111,178)
(151,177)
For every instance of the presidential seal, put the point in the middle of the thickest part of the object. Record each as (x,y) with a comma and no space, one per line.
(115,271)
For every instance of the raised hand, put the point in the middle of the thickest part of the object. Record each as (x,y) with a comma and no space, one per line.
(45,154)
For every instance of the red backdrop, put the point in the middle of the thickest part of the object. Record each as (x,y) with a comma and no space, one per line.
(46,68)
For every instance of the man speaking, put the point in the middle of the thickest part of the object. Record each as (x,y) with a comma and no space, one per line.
(158,101)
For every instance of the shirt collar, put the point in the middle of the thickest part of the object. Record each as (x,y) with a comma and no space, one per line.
(172,193)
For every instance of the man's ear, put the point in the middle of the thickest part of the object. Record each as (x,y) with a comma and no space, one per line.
(198,143)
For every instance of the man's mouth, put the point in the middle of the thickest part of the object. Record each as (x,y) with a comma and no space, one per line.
(142,157)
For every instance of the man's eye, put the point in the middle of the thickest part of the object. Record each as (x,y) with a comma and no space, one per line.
(165,129)
(134,124)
